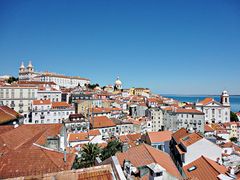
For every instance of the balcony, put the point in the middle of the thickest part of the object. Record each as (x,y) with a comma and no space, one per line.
(42,116)
(21,104)
(12,105)
(20,111)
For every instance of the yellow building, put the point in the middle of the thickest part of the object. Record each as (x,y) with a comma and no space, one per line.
(140,91)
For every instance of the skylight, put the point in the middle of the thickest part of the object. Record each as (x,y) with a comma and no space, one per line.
(185,138)
(192,168)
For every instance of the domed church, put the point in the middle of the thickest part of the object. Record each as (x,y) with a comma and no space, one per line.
(118,84)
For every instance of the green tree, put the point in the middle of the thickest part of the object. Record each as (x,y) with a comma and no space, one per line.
(92,86)
(233,117)
(11,80)
(88,154)
(234,139)
(111,149)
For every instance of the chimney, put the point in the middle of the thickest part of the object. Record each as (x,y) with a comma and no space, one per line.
(219,161)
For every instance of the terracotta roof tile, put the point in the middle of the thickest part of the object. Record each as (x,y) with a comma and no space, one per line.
(83,136)
(94,132)
(60,104)
(41,102)
(179,134)
(206,101)
(131,139)
(7,114)
(23,154)
(101,122)
(190,139)
(144,154)
(207,128)
(160,136)
(205,169)
(192,111)
(103,172)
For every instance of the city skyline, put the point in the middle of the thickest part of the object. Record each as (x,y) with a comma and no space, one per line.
(180,48)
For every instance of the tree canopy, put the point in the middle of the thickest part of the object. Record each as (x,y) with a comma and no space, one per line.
(12,79)
(233,117)
(88,154)
(111,149)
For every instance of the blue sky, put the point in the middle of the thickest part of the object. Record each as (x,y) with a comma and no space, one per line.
(184,47)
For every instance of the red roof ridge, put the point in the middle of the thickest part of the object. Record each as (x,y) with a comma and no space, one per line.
(50,157)
(148,146)
(209,161)
(39,134)
(7,112)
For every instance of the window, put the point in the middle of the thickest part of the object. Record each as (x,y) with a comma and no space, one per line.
(213,112)
(29,93)
(7,93)
(158,174)
(1,93)
(12,94)
(21,93)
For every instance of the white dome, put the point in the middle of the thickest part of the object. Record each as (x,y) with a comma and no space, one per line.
(30,64)
(22,66)
(224,92)
(118,82)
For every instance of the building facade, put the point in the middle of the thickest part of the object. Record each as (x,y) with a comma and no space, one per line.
(156,116)
(47,112)
(215,112)
(18,97)
(29,74)
(191,119)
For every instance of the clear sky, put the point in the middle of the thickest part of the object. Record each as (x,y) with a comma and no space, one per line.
(184,47)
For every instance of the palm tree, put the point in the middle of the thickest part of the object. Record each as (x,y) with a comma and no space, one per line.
(89,153)
(112,148)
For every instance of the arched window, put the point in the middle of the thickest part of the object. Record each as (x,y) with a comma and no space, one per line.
(226,100)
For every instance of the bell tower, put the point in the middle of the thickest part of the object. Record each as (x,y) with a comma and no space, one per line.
(30,67)
(225,98)
(21,68)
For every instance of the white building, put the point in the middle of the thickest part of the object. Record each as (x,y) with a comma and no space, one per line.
(215,112)
(50,93)
(65,81)
(118,84)
(18,97)
(191,147)
(27,73)
(47,112)
(190,119)
(105,125)
(156,116)
(92,136)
